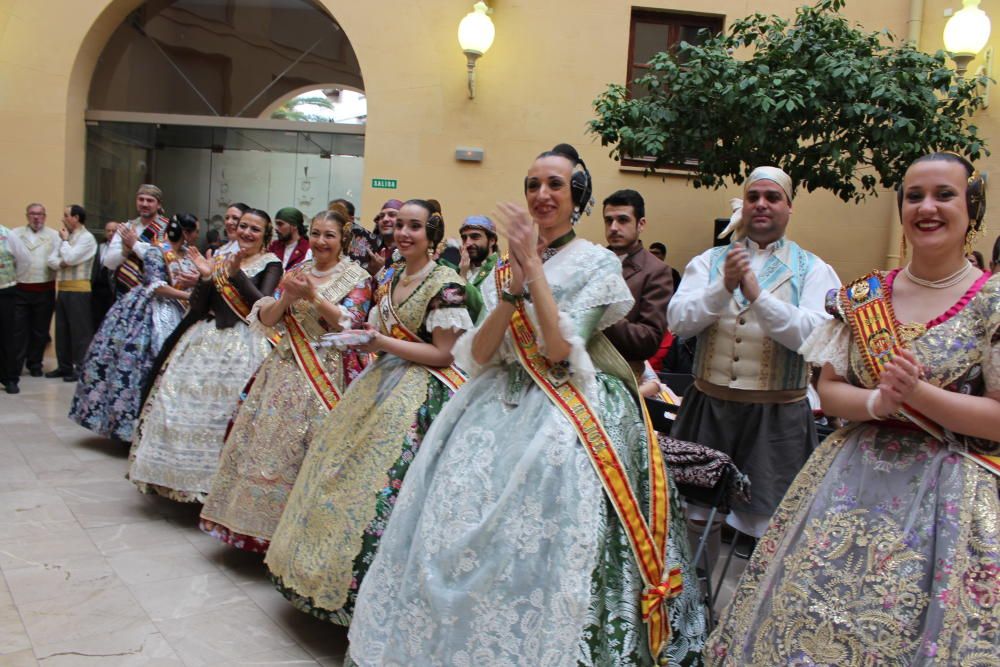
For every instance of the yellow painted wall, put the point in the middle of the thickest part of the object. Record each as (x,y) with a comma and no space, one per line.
(535,87)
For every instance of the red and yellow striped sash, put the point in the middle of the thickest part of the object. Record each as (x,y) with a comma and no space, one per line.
(648,540)
(232,296)
(310,364)
(452,376)
(867,307)
(129,274)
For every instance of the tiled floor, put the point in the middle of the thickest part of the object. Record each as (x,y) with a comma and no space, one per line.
(95,573)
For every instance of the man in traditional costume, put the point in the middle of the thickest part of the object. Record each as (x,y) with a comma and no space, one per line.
(10,251)
(752,303)
(71,259)
(637,336)
(36,291)
(385,225)
(291,243)
(134,237)
(479,249)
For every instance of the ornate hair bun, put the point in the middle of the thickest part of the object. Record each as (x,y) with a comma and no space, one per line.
(567,151)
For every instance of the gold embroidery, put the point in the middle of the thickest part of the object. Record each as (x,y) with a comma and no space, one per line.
(333,500)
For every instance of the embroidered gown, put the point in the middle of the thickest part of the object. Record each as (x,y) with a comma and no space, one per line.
(280,415)
(108,396)
(886,549)
(176,444)
(504,549)
(355,465)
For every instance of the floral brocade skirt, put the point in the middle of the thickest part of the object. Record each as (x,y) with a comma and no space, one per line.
(347,487)
(175,451)
(885,551)
(263,452)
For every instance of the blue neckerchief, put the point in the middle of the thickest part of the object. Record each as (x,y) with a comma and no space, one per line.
(774,272)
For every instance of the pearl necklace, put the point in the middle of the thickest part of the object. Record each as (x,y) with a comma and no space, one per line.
(405,279)
(323,274)
(943,283)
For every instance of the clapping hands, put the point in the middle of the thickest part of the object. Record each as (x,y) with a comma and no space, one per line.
(736,272)
(521,231)
(898,382)
(203,264)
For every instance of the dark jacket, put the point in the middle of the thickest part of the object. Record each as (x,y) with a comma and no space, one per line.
(638,336)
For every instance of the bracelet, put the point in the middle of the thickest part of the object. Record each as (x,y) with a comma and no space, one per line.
(507,296)
(870,404)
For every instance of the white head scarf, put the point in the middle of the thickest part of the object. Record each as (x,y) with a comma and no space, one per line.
(774,174)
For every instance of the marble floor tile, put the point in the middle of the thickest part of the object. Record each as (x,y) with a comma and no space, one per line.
(118,538)
(162,563)
(97,514)
(293,657)
(225,634)
(13,636)
(31,513)
(177,598)
(58,545)
(55,579)
(139,644)
(81,613)
(25,658)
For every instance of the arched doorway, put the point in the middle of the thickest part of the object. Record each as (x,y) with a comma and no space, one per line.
(181,96)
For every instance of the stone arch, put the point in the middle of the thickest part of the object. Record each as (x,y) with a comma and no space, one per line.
(95,43)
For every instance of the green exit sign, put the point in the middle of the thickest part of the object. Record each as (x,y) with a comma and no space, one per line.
(384,183)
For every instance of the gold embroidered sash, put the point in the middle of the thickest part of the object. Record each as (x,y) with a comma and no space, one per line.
(232,296)
(302,349)
(867,308)
(648,540)
(452,376)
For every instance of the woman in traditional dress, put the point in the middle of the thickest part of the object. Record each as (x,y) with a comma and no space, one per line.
(505,548)
(119,360)
(356,463)
(176,445)
(886,548)
(293,391)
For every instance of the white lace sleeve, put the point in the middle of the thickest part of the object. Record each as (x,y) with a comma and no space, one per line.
(462,351)
(829,343)
(456,319)
(254,318)
(374,318)
(580,363)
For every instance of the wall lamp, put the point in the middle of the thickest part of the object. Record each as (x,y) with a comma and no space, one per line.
(475,35)
(966,33)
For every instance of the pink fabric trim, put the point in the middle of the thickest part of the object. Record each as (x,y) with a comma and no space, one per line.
(890,278)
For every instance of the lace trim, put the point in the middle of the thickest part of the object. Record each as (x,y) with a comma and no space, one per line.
(456,319)
(254,318)
(829,343)
(580,364)
(462,352)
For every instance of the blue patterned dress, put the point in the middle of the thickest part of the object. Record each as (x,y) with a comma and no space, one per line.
(108,395)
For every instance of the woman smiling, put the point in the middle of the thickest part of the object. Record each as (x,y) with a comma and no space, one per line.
(294,389)
(175,450)
(358,459)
